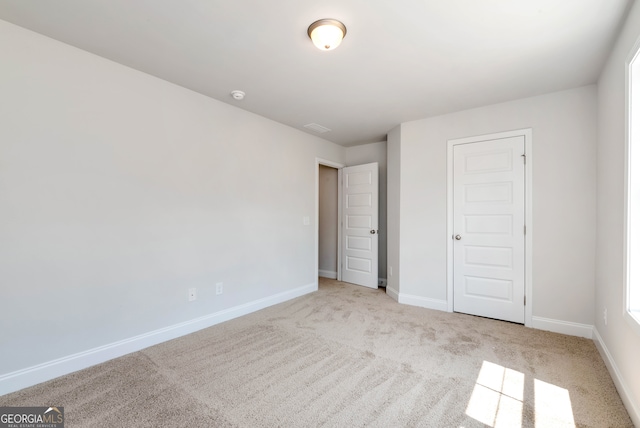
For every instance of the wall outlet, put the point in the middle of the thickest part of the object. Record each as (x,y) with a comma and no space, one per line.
(192,294)
(390,271)
(219,288)
(306,220)
(604,315)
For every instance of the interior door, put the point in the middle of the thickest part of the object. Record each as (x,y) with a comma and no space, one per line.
(359,260)
(488,228)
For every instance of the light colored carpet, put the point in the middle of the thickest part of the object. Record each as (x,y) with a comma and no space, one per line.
(345,356)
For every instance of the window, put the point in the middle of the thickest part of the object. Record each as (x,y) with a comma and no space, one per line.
(632,176)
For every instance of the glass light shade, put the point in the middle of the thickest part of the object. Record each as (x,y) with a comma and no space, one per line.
(327,34)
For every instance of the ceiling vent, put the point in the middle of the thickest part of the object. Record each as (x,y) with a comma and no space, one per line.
(318,129)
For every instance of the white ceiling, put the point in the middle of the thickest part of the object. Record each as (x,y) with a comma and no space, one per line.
(401,60)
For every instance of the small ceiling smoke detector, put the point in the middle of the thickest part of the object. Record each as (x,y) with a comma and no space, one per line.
(237,95)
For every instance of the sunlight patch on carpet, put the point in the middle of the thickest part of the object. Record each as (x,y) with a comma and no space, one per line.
(497,400)
(553,406)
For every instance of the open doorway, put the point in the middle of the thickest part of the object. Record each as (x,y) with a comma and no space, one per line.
(328,197)
(347,220)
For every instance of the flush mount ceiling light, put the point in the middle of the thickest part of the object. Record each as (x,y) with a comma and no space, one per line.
(327,34)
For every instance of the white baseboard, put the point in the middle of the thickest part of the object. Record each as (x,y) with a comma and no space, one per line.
(564,327)
(393,293)
(20,379)
(618,379)
(327,274)
(423,302)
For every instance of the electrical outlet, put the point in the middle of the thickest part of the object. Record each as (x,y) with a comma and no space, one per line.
(390,271)
(604,315)
(219,288)
(192,294)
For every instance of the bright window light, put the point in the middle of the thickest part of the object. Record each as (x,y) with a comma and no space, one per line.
(632,223)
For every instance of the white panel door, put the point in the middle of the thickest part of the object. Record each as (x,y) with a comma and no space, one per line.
(488,228)
(359,264)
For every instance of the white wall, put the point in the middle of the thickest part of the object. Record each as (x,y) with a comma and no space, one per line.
(617,338)
(119,191)
(368,153)
(564,199)
(328,222)
(394,143)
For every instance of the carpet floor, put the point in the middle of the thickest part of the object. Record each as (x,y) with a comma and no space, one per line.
(345,356)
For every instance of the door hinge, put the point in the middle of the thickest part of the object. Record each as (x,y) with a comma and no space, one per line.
(525,300)
(524,158)
(525,229)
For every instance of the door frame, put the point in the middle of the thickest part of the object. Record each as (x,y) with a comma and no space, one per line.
(528,213)
(316,237)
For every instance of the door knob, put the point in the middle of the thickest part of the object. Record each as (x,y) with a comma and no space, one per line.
(458,237)
(372,231)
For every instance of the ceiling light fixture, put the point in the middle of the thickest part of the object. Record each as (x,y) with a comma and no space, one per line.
(327,34)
